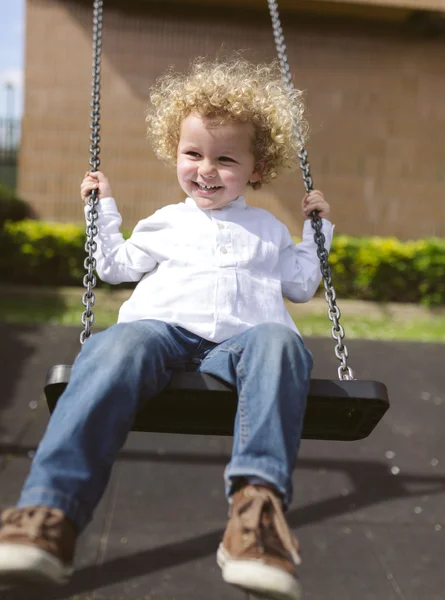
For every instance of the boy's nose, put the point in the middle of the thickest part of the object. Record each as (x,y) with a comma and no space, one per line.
(207,169)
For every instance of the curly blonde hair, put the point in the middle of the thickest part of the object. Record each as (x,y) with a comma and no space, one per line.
(230,90)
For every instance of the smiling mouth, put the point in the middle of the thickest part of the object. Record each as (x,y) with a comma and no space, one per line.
(207,188)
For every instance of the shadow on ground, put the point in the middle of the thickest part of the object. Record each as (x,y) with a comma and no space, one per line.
(372,484)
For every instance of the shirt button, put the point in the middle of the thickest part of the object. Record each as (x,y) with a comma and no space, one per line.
(224,250)
(221,225)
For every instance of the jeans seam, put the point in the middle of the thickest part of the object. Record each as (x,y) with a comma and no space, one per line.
(235,348)
(279,478)
(194,357)
(242,405)
(50,491)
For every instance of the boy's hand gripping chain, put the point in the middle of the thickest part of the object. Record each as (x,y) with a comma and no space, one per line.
(89,280)
(341,352)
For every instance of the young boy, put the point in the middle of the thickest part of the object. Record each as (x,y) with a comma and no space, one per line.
(212,274)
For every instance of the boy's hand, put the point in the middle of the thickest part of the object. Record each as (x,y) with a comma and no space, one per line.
(315,201)
(96,180)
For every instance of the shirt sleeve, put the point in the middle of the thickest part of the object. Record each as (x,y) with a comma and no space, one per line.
(300,265)
(117,259)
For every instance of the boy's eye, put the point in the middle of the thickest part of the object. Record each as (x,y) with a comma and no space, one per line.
(193,154)
(226,159)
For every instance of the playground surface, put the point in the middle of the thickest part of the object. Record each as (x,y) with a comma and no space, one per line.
(370,515)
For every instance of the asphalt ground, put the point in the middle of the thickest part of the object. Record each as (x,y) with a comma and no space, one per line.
(370,515)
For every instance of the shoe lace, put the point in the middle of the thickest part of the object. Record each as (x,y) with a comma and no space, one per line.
(253,513)
(32,522)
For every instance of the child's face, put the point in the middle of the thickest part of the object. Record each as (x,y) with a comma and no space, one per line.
(215,162)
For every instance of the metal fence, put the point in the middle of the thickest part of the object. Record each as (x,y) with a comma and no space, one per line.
(9,149)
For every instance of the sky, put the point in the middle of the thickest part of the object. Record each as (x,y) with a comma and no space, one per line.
(12,41)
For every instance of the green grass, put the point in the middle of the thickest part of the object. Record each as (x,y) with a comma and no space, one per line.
(64,307)
(60,311)
(429,329)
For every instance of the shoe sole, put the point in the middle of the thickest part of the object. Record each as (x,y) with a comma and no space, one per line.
(257,578)
(21,564)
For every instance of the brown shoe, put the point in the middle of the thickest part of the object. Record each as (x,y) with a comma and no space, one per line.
(36,545)
(258,552)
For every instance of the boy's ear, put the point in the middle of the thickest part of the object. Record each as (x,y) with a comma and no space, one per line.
(258,171)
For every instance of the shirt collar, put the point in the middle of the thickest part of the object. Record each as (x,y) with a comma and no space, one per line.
(240,202)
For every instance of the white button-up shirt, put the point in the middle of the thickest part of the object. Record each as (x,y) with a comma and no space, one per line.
(214,272)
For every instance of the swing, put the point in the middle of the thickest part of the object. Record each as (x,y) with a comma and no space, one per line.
(196,403)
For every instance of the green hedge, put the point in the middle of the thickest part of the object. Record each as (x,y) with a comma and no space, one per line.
(388,270)
(40,253)
(381,269)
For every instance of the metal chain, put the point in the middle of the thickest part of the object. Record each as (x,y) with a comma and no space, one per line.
(341,352)
(89,280)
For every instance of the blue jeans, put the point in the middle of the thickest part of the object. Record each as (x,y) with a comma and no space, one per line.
(268,364)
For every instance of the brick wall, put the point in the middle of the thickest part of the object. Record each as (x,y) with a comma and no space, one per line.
(375,95)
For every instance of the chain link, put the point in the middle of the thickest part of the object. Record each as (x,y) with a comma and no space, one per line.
(89,280)
(341,352)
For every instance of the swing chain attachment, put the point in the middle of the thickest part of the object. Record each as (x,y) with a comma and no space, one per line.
(341,352)
(89,280)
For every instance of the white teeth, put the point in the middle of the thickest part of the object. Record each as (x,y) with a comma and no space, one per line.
(207,187)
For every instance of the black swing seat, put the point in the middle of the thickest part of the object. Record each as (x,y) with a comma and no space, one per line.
(195,403)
